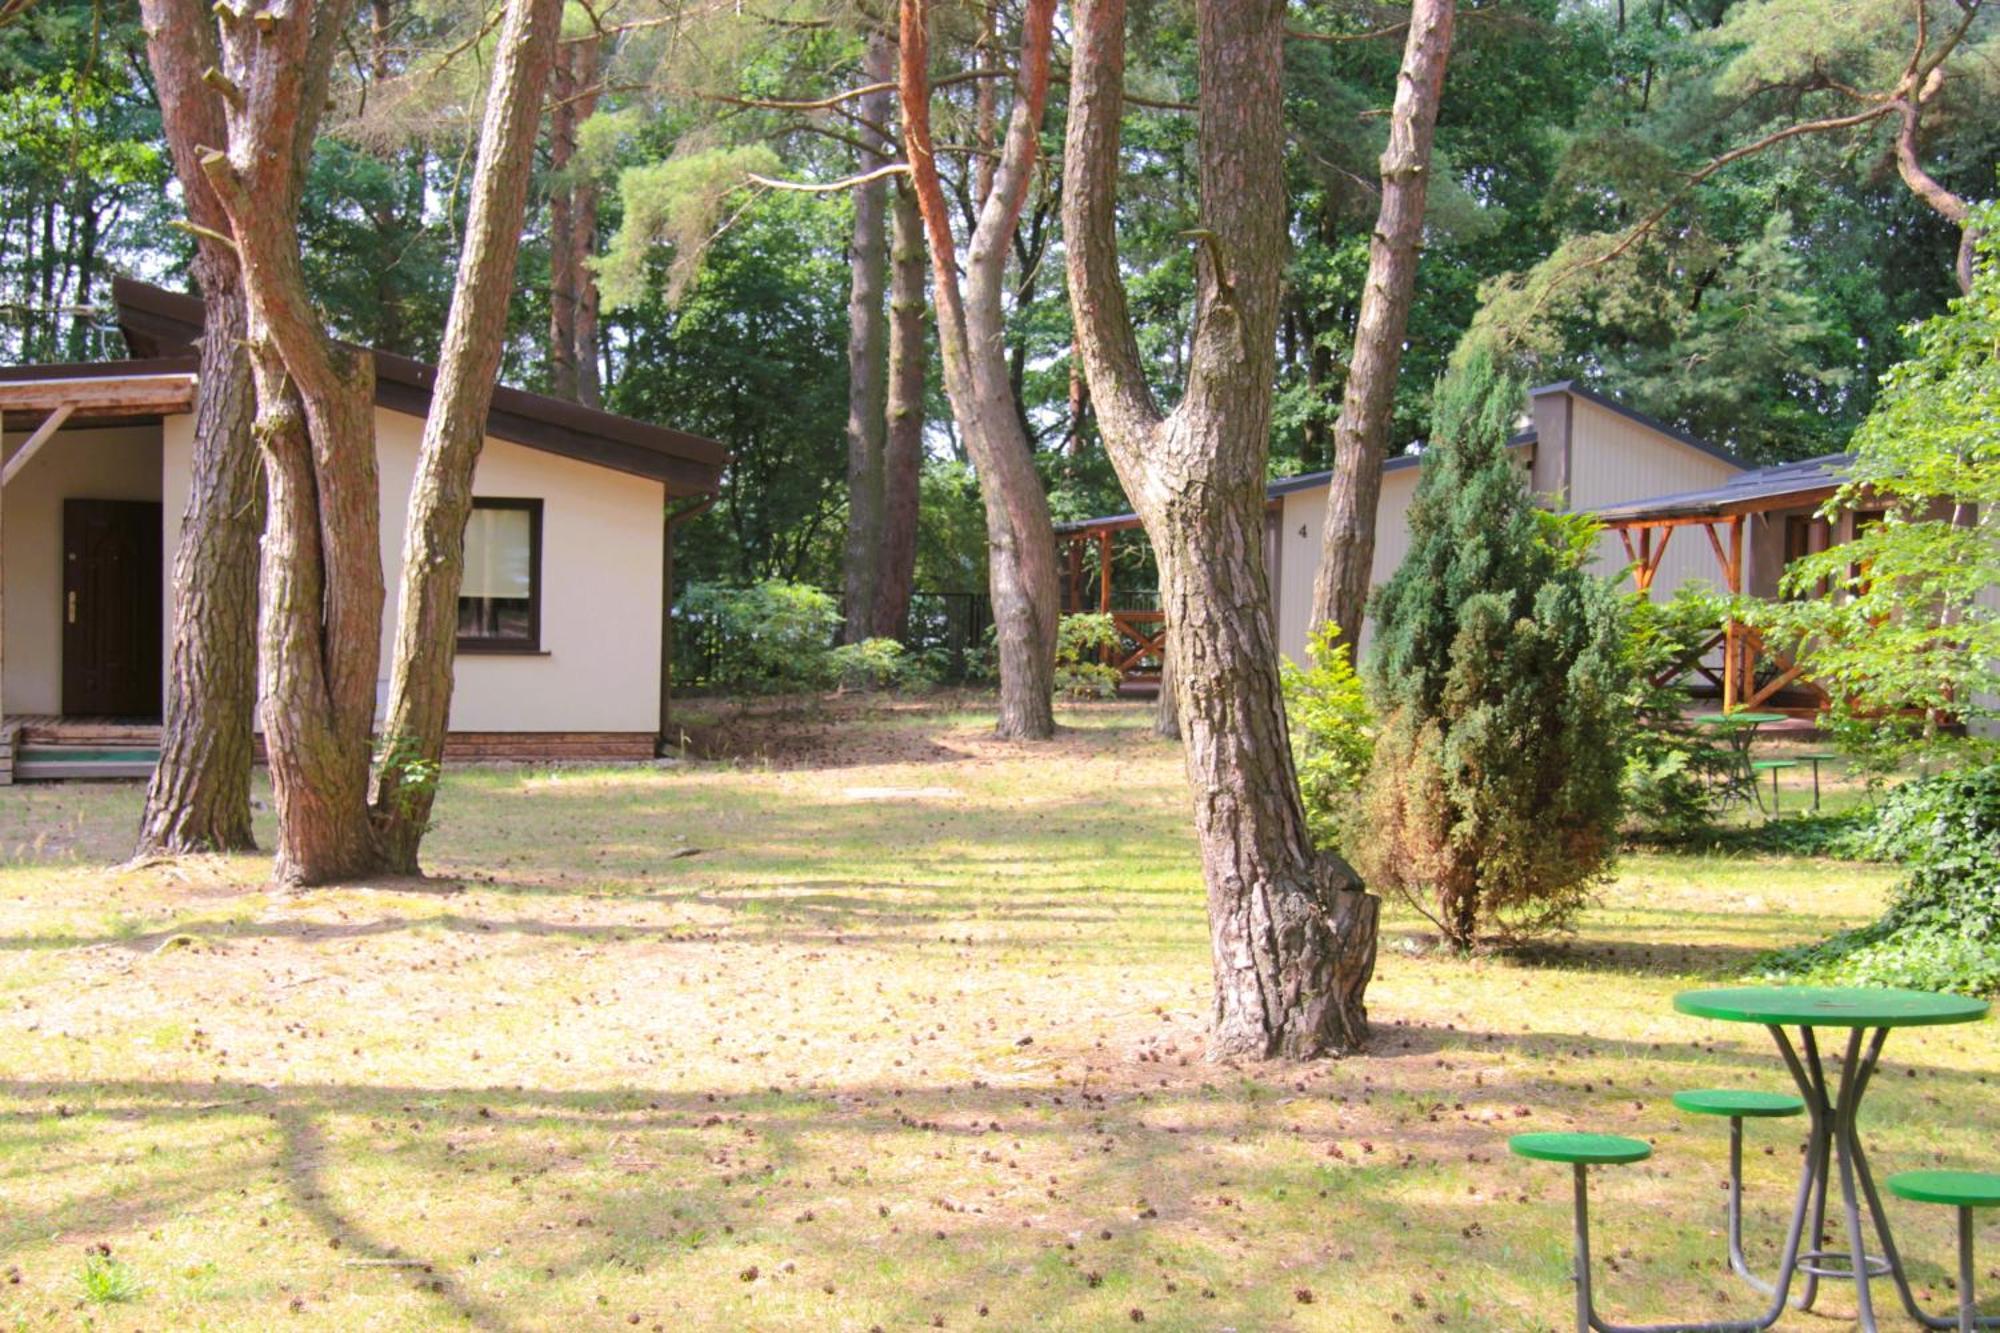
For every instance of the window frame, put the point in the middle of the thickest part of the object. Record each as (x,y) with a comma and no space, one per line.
(532,645)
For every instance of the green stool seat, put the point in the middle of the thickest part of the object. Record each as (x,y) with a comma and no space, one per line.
(1964,1191)
(1816,758)
(1582,1149)
(1731,1102)
(1773,767)
(1961,1189)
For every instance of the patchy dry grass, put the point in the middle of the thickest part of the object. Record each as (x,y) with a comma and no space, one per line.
(902,1030)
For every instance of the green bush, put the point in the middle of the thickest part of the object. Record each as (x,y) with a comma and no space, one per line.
(882,664)
(1500,672)
(1674,778)
(1942,929)
(1080,640)
(1333,735)
(772,637)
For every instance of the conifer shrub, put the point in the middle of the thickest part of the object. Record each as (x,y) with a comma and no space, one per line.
(1499,671)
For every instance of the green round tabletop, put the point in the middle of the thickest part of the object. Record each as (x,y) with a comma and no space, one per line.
(1830,1006)
(1737,719)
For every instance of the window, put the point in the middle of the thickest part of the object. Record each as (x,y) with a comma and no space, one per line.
(500,599)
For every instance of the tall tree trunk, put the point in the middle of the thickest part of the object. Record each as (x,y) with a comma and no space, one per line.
(1361,436)
(903,447)
(1292,934)
(1166,710)
(573,226)
(867,349)
(199,796)
(420,683)
(320,611)
(1021,542)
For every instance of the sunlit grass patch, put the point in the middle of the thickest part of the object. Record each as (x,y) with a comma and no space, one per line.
(899,1032)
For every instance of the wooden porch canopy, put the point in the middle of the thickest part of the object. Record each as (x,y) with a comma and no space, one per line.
(1646,527)
(44,399)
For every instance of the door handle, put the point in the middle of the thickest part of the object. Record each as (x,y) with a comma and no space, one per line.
(72,608)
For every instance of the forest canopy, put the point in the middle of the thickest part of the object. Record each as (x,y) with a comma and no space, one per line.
(1578,224)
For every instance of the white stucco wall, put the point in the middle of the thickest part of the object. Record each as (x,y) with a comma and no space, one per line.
(116,463)
(600,590)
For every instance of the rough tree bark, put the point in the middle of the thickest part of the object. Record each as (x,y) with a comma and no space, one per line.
(413,730)
(1292,934)
(1166,711)
(573,226)
(1347,541)
(1021,543)
(903,446)
(199,796)
(867,349)
(320,610)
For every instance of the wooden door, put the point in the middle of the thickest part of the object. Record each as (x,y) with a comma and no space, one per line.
(111,609)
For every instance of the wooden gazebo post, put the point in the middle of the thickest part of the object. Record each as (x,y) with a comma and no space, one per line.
(1104,584)
(1735,648)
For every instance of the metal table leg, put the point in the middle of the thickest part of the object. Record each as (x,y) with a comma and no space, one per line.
(1587,1318)
(1856,1180)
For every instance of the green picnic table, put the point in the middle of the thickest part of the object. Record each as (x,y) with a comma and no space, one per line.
(1834,1143)
(1738,730)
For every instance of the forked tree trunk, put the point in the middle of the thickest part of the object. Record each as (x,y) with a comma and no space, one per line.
(1021,543)
(199,796)
(320,616)
(1166,712)
(573,226)
(867,351)
(413,731)
(1361,436)
(320,622)
(1292,933)
(903,447)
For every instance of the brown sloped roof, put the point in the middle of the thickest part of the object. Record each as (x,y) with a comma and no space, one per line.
(158,323)
(1781,486)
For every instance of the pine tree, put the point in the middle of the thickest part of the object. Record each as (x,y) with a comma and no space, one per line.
(1496,671)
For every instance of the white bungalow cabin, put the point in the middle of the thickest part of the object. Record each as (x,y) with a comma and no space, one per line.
(564,647)
(1580,451)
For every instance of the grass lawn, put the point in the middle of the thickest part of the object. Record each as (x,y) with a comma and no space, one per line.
(902,1027)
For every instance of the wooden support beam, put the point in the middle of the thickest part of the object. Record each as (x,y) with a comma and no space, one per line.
(111,395)
(1104,571)
(33,445)
(3,622)
(1659,553)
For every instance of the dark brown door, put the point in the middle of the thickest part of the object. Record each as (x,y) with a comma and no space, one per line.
(111,608)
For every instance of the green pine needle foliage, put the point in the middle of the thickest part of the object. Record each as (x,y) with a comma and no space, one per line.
(1498,672)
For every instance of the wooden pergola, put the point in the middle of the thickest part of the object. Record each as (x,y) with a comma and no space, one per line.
(45,399)
(1722,516)
(1142,631)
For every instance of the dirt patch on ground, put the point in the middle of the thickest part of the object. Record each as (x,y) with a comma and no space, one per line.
(862,730)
